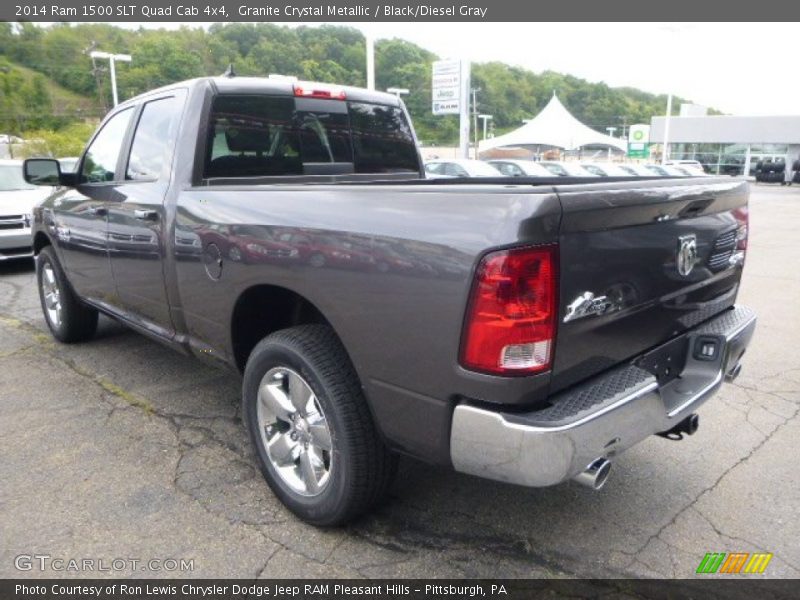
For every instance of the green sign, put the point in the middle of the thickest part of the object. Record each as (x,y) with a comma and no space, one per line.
(638,150)
(638,141)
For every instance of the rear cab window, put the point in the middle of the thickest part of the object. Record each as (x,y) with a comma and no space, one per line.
(272,136)
(154,139)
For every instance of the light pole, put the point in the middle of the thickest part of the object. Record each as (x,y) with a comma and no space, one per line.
(665,151)
(370,41)
(610,131)
(398,92)
(112,59)
(485,119)
(474,92)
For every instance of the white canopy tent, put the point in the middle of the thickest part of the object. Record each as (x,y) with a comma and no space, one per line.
(554,126)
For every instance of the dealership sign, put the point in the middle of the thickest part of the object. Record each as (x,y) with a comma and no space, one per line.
(447,87)
(639,141)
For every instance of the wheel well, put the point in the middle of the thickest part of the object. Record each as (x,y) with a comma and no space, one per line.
(263,309)
(40,241)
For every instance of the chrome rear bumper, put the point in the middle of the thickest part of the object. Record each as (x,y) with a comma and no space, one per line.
(600,418)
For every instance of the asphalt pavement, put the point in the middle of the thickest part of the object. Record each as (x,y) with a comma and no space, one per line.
(120,449)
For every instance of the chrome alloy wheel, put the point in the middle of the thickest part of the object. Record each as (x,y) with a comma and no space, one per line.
(294,431)
(52,294)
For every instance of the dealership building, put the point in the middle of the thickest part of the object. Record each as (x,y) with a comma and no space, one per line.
(731,145)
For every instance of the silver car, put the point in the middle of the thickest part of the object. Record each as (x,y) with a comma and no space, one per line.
(17,198)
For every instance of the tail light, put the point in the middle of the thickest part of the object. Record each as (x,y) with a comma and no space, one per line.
(510,323)
(742,217)
(315,90)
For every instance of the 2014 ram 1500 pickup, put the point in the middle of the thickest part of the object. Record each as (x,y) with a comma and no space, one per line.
(525,331)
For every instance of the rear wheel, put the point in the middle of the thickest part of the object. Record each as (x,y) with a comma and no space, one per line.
(68,319)
(316,443)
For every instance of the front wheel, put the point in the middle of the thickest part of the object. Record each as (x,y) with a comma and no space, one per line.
(316,443)
(68,319)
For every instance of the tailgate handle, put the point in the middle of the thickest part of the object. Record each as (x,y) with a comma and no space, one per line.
(695,208)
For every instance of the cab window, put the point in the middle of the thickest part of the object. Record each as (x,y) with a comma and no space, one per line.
(260,136)
(100,160)
(154,139)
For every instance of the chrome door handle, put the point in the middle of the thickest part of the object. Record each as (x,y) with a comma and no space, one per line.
(98,211)
(145,215)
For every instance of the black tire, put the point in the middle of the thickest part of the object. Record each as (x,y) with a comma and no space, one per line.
(78,321)
(362,467)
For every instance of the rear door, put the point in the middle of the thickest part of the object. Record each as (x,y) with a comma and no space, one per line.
(136,216)
(641,262)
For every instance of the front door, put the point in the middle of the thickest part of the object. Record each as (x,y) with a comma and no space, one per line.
(81,213)
(136,217)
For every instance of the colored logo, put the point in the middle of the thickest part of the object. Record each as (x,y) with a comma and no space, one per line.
(734,563)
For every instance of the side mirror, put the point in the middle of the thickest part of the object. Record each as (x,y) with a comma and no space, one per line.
(47,172)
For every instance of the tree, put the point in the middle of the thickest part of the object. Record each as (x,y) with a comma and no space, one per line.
(329,53)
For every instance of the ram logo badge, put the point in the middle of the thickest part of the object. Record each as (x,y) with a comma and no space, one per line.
(687,254)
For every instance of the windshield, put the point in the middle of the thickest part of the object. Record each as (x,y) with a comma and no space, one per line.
(534,169)
(657,170)
(11,179)
(555,169)
(610,170)
(578,171)
(595,170)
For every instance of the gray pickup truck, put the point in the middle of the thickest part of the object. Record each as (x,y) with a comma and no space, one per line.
(523,330)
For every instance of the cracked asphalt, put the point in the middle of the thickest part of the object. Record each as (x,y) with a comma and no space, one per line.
(120,448)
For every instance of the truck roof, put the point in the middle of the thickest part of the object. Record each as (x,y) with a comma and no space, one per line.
(272,86)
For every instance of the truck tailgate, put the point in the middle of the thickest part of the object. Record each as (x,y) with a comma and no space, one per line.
(639,264)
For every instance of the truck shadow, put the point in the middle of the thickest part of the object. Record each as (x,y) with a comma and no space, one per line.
(463,525)
(18,266)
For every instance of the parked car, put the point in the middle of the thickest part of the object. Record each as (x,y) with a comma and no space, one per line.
(637,169)
(526,333)
(17,199)
(695,167)
(665,170)
(460,167)
(566,169)
(687,171)
(606,169)
(519,168)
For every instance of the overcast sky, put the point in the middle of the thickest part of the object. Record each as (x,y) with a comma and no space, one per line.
(739,68)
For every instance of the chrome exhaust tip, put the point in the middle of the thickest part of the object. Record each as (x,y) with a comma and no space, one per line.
(692,424)
(733,373)
(595,475)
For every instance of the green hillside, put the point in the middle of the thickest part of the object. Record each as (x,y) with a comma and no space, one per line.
(50,79)
(31,100)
